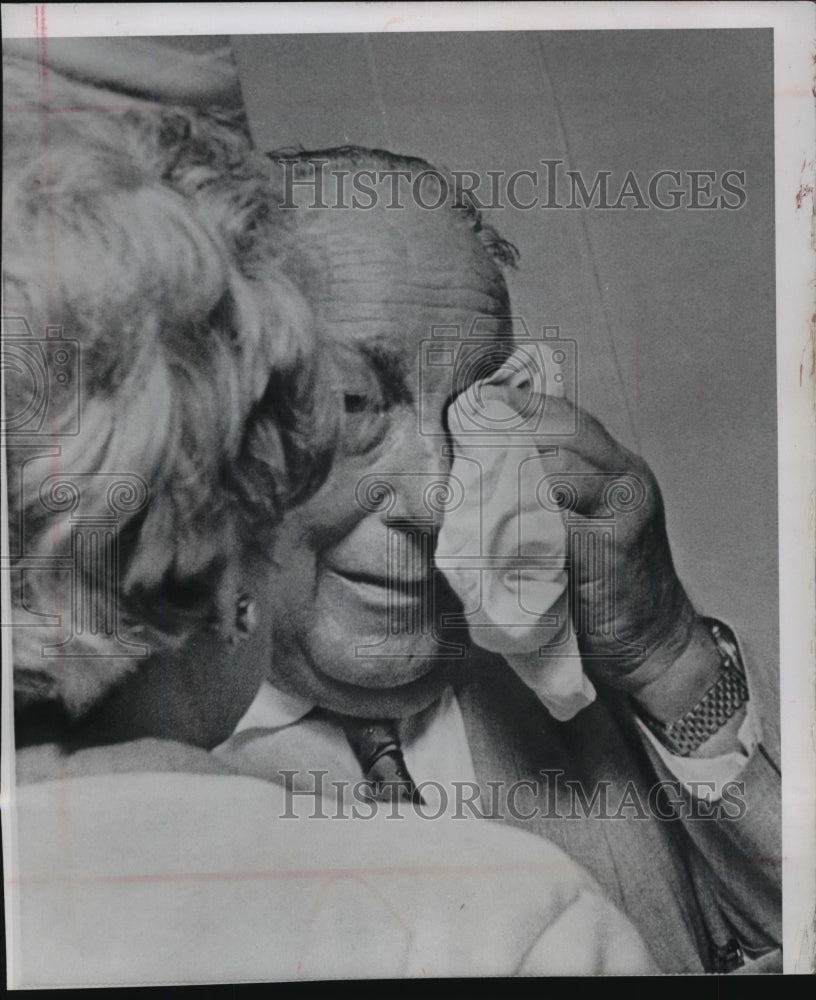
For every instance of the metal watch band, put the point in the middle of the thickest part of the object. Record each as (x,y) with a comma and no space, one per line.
(725,696)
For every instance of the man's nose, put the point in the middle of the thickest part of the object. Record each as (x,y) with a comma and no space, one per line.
(413,482)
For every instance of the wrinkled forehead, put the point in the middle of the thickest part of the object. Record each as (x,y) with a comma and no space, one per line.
(395,275)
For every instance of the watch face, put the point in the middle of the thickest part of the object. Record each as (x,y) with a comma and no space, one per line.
(726,643)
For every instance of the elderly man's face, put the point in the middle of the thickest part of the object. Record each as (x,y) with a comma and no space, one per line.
(355,605)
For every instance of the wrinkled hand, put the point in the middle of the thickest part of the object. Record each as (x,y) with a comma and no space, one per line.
(631,614)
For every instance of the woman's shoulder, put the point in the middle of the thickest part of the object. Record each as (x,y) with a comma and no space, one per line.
(51,762)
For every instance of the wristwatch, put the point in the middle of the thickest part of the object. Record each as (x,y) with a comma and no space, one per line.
(725,697)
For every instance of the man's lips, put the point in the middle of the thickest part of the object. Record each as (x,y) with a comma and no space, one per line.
(400,587)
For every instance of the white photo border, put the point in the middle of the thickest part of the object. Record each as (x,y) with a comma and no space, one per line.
(795,152)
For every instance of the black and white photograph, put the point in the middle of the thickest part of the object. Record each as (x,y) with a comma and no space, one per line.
(407,519)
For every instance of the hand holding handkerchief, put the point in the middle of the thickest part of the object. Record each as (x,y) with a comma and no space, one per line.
(501,550)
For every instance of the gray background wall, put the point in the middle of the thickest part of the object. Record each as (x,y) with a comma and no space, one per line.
(673,311)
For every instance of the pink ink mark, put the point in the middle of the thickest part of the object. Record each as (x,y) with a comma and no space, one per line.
(802,193)
(10,109)
(811,345)
(41,32)
(805,190)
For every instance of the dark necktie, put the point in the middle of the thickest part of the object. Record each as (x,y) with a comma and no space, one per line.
(377,747)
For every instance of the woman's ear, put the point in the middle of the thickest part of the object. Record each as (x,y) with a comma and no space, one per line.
(196,689)
(235,605)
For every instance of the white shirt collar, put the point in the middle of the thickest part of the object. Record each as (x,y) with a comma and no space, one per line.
(272,708)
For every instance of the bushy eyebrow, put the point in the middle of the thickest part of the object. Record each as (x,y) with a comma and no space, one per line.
(389,368)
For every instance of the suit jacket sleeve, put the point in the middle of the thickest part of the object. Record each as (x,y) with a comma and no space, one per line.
(736,859)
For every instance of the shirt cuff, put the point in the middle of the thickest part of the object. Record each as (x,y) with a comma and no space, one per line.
(704,777)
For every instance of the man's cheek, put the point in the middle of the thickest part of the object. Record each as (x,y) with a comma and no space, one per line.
(326,519)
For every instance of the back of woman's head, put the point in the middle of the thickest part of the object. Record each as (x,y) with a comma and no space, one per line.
(148,239)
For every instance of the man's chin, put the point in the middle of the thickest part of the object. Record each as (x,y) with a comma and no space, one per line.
(391,688)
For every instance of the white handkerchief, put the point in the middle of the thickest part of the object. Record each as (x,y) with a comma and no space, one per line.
(504,553)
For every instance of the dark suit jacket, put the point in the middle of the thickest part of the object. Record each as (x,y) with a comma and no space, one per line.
(691,886)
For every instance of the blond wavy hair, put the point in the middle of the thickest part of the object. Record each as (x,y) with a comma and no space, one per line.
(151,237)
